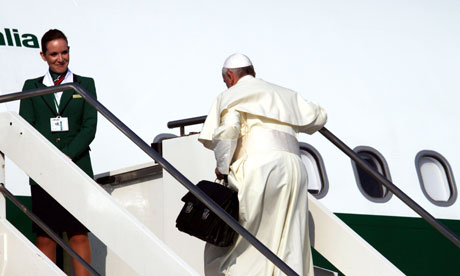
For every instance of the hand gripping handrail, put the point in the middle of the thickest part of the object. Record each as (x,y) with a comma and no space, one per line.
(361,163)
(161,161)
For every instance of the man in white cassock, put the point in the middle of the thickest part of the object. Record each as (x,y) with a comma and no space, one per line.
(252,128)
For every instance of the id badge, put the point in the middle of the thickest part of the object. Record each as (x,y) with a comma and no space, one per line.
(59,124)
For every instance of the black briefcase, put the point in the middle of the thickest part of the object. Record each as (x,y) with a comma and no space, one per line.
(197,220)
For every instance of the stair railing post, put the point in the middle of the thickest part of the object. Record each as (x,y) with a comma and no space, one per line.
(2,180)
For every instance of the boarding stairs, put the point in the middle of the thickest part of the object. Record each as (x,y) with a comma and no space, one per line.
(145,241)
(113,225)
(142,240)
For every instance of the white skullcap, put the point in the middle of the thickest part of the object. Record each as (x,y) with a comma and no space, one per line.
(237,60)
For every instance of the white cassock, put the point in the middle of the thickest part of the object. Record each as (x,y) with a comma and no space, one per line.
(252,128)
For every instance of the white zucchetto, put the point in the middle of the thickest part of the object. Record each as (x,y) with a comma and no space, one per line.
(237,60)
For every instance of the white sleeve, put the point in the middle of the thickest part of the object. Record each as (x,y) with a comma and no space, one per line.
(225,139)
(319,120)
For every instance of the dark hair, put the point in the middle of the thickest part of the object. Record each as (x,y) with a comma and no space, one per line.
(52,35)
(243,71)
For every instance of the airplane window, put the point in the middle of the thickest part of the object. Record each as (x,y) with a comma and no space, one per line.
(436,178)
(317,179)
(369,186)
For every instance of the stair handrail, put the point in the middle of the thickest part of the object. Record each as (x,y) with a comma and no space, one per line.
(186,122)
(449,234)
(205,199)
(47,230)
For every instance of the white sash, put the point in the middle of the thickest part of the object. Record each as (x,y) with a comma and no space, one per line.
(264,139)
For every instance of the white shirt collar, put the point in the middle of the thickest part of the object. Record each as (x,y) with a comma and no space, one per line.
(48,80)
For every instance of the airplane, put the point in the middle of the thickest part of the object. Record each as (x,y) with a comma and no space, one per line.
(386,73)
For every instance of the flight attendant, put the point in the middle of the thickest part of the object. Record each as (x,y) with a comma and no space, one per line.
(69,122)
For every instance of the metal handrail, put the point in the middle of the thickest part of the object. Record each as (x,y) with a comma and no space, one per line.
(449,234)
(392,187)
(205,199)
(186,122)
(47,230)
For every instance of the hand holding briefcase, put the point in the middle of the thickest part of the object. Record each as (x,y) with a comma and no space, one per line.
(197,220)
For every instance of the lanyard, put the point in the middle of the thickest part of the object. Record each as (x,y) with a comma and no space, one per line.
(58,81)
(56,103)
(53,110)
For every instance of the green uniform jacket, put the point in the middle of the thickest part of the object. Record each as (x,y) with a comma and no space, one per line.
(82,118)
